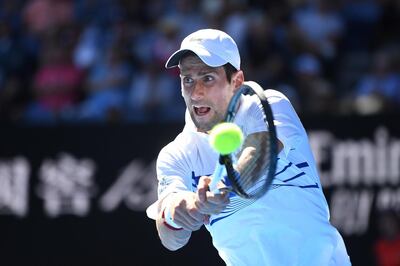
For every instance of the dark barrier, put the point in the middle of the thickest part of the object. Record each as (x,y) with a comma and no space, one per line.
(76,195)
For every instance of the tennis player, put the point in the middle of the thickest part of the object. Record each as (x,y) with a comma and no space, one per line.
(287,226)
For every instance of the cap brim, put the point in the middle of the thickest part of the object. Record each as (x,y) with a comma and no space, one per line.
(174,59)
(209,59)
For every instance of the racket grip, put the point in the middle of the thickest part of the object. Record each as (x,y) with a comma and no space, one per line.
(219,173)
(169,221)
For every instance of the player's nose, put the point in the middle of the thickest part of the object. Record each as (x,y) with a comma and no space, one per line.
(198,91)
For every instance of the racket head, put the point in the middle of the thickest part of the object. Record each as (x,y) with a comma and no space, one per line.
(256,177)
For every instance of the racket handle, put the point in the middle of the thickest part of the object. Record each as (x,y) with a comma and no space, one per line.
(169,221)
(219,173)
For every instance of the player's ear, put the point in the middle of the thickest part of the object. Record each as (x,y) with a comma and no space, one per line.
(238,79)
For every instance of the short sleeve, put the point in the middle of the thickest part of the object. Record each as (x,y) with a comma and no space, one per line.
(172,175)
(289,129)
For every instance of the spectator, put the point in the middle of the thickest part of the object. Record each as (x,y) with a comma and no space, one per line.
(14,73)
(315,93)
(361,19)
(265,56)
(89,47)
(154,96)
(341,36)
(236,20)
(43,15)
(317,28)
(56,85)
(186,15)
(106,88)
(379,90)
(166,40)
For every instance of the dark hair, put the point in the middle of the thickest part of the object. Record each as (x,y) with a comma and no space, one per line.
(229,69)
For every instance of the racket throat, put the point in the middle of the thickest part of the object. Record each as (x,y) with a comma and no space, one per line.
(233,176)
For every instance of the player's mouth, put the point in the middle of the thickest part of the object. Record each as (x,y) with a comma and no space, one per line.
(201,110)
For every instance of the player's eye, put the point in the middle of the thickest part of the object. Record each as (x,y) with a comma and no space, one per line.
(208,78)
(187,80)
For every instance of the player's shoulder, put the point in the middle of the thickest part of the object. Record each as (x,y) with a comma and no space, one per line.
(179,141)
(274,95)
(270,93)
(183,143)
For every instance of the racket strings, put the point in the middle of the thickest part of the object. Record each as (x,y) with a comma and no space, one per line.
(254,175)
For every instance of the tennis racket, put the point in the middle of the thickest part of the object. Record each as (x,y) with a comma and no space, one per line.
(249,172)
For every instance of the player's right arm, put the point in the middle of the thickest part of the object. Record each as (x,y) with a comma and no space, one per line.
(175,196)
(182,210)
(187,209)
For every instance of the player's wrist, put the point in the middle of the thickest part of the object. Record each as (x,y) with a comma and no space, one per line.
(168,220)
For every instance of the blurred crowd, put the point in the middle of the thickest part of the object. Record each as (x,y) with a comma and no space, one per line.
(72,61)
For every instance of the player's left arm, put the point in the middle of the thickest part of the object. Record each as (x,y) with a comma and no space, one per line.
(249,149)
(207,202)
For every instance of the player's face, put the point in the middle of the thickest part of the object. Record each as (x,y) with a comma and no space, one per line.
(206,91)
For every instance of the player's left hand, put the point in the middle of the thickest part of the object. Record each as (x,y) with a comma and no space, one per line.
(207,202)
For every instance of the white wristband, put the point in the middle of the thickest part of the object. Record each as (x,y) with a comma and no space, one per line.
(168,218)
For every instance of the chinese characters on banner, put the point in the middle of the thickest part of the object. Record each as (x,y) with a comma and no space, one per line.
(14,186)
(67,185)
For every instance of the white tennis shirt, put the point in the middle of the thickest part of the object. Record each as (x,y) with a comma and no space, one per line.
(287,226)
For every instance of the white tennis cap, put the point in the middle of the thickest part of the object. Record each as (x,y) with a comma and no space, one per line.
(214,47)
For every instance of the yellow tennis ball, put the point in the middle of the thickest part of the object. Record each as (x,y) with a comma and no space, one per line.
(226,137)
